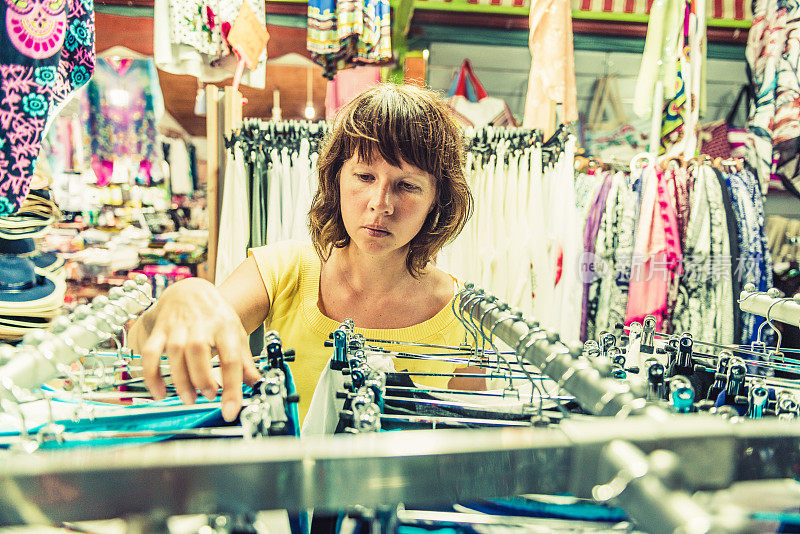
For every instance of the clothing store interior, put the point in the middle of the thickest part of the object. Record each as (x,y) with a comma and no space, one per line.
(400,266)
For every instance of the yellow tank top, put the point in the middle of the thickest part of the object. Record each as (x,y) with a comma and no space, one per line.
(291,272)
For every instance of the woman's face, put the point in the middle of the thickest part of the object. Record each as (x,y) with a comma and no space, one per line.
(384,207)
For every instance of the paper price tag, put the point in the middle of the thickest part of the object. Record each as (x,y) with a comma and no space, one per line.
(248,36)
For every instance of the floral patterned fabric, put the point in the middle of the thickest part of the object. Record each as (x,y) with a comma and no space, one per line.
(343,33)
(120,113)
(657,254)
(193,24)
(46,52)
(704,305)
(700,222)
(773,55)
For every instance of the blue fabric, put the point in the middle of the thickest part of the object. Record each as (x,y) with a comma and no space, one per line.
(460,529)
(17,246)
(722,400)
(530,508)
(756,264)
(44,260)
(299,523)
(293,423)
(173,420)
(790,522)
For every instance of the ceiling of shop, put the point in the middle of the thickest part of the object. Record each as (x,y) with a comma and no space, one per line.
(136,34)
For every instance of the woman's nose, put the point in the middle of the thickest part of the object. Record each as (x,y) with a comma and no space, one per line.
(381,198)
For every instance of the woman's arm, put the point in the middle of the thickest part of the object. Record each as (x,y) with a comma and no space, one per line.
(245,291)
(192,319)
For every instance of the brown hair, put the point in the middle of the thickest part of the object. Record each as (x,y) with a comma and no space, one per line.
(401,122)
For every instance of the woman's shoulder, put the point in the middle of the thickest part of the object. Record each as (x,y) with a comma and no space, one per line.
(278,260)
(289,246)
(442,285)
(287,252)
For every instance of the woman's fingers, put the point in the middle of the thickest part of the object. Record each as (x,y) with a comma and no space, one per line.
(189,355)
(198,356)
(151,352)
(251,372)
(231,346)
(176,354)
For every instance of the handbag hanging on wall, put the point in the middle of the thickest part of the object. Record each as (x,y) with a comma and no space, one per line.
(607,131)
(722,139)
(473,105)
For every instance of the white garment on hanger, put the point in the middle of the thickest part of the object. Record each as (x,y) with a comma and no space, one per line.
(521,261)
(525,226)
(568,230)
(483,220)
(234,225)
(323,412)
(287,202)
(542,276)
(180,173)
(302,195)
(500,241)
(274,198)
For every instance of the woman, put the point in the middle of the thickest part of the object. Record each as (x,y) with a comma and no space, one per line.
(391,194)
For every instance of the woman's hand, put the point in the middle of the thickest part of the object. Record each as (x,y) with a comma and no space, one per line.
(190,321)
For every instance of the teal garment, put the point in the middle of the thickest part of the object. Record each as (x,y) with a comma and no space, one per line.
(172,420)
(178,420)
(293,428)
(408,529)
(584,511)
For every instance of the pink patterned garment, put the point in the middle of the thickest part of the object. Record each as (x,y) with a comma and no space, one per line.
(46,52)
(656,256)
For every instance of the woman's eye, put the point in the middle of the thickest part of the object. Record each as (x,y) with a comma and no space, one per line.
(408,187)
(364,177)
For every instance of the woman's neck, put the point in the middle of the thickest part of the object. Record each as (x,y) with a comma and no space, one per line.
(365,273)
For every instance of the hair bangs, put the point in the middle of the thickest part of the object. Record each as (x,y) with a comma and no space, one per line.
(396,128)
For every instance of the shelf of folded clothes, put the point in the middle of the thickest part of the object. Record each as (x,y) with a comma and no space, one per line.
(83,291)
(162,276)
(187,248)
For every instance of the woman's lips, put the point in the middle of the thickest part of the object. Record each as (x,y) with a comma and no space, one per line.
(377,231)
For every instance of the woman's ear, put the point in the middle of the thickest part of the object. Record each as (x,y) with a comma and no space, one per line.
(435,219)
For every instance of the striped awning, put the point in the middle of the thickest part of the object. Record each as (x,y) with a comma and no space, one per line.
(717,11)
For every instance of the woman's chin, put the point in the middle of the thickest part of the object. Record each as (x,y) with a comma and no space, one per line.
(378,245)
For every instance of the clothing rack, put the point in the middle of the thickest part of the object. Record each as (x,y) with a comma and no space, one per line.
(235,477)
(766,304)
(257,138)
(723,190)
(238,477)
(44,355)
(261,135)
(593,389)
